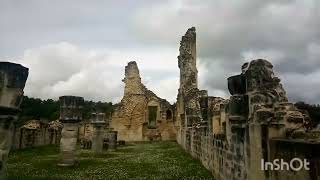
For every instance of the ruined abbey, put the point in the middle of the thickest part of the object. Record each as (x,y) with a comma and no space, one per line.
(141,115)
(231,137)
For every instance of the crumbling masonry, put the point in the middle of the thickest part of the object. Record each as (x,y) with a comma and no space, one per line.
(229,136)
(70,116)
(232,136)
(98,123)
(12,81)
(141,115)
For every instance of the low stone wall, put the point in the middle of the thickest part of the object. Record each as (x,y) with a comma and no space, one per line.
(26,138)
(225,160)
(287,150)
(231,159)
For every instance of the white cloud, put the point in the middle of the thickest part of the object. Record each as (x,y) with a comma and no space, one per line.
(302,87)
(66,69)
(272,55)
(103,36)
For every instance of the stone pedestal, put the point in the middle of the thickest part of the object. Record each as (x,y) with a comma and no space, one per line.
(98,123)
(70,116)
(68,144)
(12,81)
(112,135)
(6,130)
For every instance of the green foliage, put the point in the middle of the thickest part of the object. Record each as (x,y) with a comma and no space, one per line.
(313,110)
(157,160)
(90,106)
(35,108)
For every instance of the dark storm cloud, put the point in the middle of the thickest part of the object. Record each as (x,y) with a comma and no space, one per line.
(233,32)
(100,33)
(33,23)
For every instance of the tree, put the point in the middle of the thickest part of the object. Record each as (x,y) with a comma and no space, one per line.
(313,110)
(35,108)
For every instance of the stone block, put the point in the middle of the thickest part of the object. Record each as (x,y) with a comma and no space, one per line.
(112,136)
(71,108)
(12,81)
(238,107)
(237,84)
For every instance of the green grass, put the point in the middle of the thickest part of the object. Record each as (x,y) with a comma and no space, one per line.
(157,160)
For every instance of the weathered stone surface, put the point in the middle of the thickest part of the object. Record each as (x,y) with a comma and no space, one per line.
(187,61)
(6,130)
(71,108)
(260,77)
(36,133)
(98,122)
(190,98)
(68,144)
(131,117)
(237,84)
(12,81)
(112,140)
(238,133)
(70,116)
(238,107)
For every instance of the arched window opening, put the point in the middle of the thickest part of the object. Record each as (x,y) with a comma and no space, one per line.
(152,111)
(168,114)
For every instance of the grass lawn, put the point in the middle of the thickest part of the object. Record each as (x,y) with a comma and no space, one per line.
(157,160)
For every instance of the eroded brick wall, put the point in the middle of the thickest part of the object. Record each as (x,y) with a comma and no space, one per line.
(225,160)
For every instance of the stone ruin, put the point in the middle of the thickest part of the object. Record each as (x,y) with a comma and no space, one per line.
(36,133)
(98,123)
(232,136)
(12,81)
(97,135)
(33,133)
(141,115)
(70,116)
(229,136)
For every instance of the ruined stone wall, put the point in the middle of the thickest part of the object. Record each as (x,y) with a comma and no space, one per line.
(231,136)
(34,134)
(187,61)
(289,149)
(131,115)
(188,112)
(225,160)
(85,130)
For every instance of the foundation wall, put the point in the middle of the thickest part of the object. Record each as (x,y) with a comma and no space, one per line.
(28,138)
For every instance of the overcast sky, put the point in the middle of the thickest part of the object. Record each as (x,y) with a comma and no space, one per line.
(80,47)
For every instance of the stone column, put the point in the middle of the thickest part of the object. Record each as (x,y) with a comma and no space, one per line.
(70,116)
(113,140)
(98,123)
(12,81)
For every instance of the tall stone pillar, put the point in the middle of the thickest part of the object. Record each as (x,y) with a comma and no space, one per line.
(70,116)
(12,81)
(98,123)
